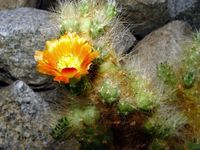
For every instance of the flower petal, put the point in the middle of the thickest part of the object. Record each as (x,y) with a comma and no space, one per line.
(88,59)
(38,55)
(61,78)
(69,72)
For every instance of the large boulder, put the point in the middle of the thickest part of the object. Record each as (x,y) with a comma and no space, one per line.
(163,45)
(187,10)
(144,16)
(10,4)
(24,118)
(22,31)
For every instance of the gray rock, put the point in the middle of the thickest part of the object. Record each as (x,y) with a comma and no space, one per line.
(119,38)
(144,16)
(22,31)
(163,45)
(187,10)
(123,40)
(10,4)
(24,118)
(175,7)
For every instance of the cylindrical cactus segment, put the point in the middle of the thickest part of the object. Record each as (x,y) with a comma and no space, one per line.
(158,144)
(60,128)
(145,99)
(85,25)
(96,29)
(78,117)
(125,108)
(166,122)
(84,7)
(70,25)
(90,17)
(109,92)
(189,79)
(111,10)
(166,74)
(76,120)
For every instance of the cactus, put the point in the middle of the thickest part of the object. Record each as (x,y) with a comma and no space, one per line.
(158,145)
(89,18)
(105,95)
(164,125)
(125,108)
(166,74)
(78,117)
(193,146)
(189,79)
(109,92)
(145,99)
(60,128)
(95,138)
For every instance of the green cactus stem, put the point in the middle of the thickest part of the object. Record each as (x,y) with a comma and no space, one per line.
(193,146)
(84,7)
(189,79)
(85,25)
(111,11)
(96,29)
(95,138)
(125,108)
(166,74)
(158,145)
(77,87)
(69,25)
(109,92)
(165,126)
(60,128)
(79,117)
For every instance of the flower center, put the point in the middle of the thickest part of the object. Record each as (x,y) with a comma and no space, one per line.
(69,61)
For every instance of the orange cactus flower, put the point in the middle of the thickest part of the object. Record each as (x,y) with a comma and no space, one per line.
(70,56)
